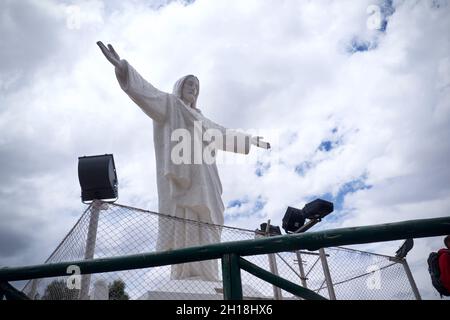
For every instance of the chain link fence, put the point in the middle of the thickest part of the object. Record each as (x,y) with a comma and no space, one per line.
(112,230)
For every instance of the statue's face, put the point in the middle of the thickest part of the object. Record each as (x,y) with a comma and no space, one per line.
(190,90)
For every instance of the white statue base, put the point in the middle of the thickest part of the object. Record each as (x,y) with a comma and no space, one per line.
(195,290)
(100,290)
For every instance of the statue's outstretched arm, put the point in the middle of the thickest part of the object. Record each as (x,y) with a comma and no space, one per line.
(113,57)
(234,141)
(151,100)
(258,141)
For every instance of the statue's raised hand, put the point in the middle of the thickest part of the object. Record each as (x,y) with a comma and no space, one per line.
(111,55)
(258,141)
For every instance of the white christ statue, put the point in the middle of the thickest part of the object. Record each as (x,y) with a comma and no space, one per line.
(189,186)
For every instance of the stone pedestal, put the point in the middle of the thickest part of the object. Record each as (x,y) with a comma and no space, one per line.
(195,290)
(100,291)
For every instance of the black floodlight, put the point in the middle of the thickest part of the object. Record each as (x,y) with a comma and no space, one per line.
(294,219)
(317,209)
(98,178)
(404,249)
(273,230)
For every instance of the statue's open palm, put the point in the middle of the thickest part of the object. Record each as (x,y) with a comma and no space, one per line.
(111,55)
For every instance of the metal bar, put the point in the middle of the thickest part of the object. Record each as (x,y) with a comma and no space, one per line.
(310,241)
(326,272)
(307,226)
(278,281)
(231,274)
(310,253)
(321,286)
(235,277)
(411,280)
(274,269)
(312,267)
(226,277)
(288,265)
(302,270)
(33,289)
(273,266)
(90,247)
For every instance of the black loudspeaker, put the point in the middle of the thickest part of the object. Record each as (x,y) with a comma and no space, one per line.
(317,209)
(293,220)
(273,230)
(98,178)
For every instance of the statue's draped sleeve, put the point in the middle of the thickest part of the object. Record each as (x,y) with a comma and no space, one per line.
(231,140)
(151,100)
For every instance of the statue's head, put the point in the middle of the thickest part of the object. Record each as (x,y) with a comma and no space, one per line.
(187,89)
(447,241)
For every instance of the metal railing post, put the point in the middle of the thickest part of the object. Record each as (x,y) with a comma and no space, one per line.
(273,266)
(326,272)
(231,275)
(411,279)
(302,270)
(90,247)
(274,269)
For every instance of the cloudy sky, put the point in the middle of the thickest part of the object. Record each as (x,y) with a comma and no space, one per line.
(354,97)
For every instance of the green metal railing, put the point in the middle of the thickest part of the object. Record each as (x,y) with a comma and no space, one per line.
(231,254)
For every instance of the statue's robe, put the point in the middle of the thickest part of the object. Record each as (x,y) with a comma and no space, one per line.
(185,190)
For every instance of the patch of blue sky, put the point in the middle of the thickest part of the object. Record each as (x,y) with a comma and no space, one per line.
(329,144)
(387,10)
(360,45)
(237,203)
(259,205)
(159,4)
(303,167)
(351,187)
(261,168)
(357,44)
(255,210)
(338,199)
(326,146)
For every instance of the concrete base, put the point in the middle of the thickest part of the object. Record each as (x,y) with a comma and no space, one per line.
(195,290)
